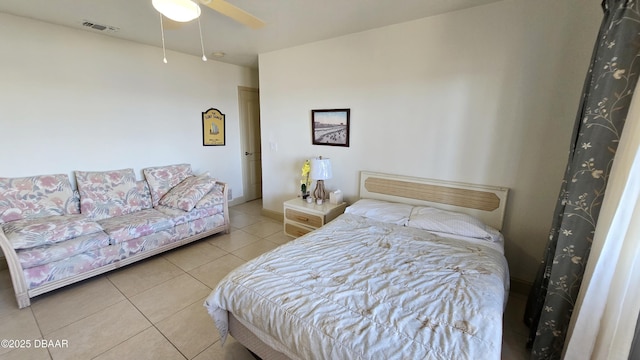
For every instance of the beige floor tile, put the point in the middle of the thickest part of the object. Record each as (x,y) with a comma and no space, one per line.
(215,236)
(251,208)
(138,277)
(66,305)
(241,220)
(5,279)
(191,330)
(149,344)
(232,350)
(233,211)
(39,353)
(254,250)
(166,299)
(234,240)
(514,346)
(193,255)
(20,325)
(514,315)
(211,273)
(514,337)
(263,228)
(99,332)
(271,220)
(279,238)
(8,303)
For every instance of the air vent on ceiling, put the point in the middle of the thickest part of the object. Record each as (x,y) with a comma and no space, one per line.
(99,27)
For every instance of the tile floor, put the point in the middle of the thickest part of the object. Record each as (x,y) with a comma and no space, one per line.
(153,309)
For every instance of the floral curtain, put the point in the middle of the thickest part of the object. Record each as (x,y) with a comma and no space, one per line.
(603,109)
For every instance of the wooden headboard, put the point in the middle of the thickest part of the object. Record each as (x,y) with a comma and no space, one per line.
(486,203)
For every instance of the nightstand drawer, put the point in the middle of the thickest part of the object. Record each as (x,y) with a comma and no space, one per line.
(303,218)
(296,230)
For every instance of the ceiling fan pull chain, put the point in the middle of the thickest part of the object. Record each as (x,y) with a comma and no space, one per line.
(204,58)
(164,53)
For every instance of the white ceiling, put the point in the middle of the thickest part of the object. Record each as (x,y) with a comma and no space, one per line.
(289,22)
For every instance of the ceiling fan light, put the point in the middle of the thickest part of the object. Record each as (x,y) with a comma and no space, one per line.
(177,10)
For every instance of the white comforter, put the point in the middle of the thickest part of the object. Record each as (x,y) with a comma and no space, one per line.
(358,289)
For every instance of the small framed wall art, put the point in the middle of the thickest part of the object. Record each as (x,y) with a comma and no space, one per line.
(213,128)
(330,127)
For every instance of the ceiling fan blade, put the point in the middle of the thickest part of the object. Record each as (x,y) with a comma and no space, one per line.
(234,12)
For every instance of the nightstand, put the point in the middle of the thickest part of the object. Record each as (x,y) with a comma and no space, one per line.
(301,217)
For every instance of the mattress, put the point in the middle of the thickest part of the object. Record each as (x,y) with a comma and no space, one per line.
(363,289)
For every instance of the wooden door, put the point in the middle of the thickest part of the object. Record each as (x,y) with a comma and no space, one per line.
(249,99)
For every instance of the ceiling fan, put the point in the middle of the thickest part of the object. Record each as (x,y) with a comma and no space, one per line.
(187,10)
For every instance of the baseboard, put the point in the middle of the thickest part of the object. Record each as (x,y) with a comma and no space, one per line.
(520,287)
(273,214)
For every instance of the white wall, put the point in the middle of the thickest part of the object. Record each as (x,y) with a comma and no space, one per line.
(77,100)
(485,95)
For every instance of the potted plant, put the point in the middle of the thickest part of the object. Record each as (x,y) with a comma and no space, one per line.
(305,182)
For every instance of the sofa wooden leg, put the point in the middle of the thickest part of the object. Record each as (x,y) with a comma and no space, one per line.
(23,300)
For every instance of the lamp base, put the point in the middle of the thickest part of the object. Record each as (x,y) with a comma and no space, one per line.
(319,193)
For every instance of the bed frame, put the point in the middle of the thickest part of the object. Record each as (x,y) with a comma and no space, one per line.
(487,203)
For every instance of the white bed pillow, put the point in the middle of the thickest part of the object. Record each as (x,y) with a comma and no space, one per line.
(449,222)
(379,210)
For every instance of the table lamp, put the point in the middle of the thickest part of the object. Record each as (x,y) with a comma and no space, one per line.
(320,171)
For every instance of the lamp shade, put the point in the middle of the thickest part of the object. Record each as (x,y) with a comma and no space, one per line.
(320,169)
(177,10)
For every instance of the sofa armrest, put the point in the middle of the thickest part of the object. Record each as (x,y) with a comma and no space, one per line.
(15,270)
(225,193)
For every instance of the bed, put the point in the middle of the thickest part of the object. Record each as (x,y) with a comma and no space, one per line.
(413,270)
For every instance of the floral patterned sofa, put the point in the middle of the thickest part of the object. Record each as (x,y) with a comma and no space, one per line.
(53,235)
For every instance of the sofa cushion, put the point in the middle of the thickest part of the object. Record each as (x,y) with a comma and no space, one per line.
(147,243)
(36,196)
(180,216)
(212,198)
(188,192)
(105,194)
(198,226)
(41,255)
(135,225)
(29,233)
(162,178)
(71,266)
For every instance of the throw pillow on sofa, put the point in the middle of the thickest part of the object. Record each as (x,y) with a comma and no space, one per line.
(187,193)
(104,194)
(213,198)
(161,179)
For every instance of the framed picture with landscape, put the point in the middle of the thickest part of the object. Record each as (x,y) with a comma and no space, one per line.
(330,127)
